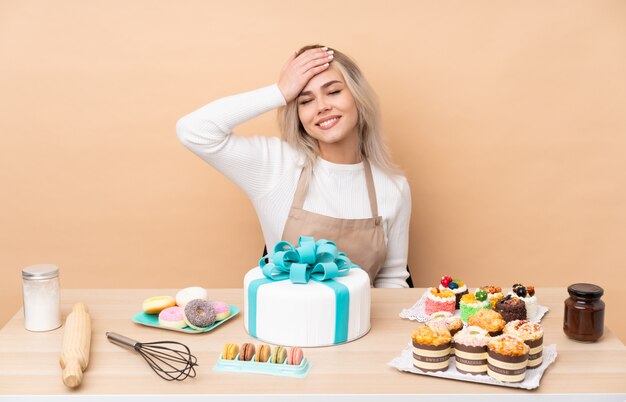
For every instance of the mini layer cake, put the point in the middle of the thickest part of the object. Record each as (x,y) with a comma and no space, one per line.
(507,358)
(439,300)
(470,350)
(511,308)
(471,303)
(488,320)
(526,293)
(431,348)
(532,335)
(494,293)
(456,286)
(445,319)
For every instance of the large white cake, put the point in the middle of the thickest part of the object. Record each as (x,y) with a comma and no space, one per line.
(290,314)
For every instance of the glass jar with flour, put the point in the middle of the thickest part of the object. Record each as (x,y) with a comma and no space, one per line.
(42,307)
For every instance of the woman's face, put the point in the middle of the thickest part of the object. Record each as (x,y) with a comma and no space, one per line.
(328,112)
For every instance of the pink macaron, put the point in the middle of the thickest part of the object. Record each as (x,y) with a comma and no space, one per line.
(222,310)
(295,356)
(172,317)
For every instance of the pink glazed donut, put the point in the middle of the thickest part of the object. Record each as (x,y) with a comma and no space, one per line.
(222,310)
(172,317)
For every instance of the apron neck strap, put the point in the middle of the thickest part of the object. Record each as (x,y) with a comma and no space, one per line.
(301,189)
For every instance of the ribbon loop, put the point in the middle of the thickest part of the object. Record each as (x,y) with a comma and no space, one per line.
(319,261)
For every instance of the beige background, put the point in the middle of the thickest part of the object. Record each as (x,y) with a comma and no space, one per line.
(507,116)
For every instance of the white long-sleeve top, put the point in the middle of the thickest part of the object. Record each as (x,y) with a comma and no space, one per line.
(267,169)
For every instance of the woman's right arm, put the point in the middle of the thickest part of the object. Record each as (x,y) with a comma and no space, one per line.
(255,164)
(248,161)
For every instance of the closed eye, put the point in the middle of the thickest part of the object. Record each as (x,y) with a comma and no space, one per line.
(304,101)
(335,92)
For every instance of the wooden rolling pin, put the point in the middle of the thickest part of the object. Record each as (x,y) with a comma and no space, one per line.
(76,345)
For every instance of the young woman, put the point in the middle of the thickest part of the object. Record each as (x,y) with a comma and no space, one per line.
(329,176)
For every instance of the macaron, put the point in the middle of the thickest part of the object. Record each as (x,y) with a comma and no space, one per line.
(172,317)
(186,295)
(246,352)
(295,356)
(262,353)
(155,305)
(279,355)
(222,310)
(230,351)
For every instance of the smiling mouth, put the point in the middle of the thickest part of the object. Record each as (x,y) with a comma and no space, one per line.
(326,124)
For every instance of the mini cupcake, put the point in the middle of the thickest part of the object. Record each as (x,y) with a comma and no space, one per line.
(507,358)
(511,308)
(532,335)
(456,286)
(445,319)
(471,303)
(470,350)
(526,293)
(439,300)
(431,348)
(494,293)
(488,320)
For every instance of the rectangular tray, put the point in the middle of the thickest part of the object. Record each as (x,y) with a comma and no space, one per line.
(404,362)
(152,320)
(284,369)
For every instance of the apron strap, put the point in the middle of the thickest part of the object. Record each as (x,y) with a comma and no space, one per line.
(301,190)
(371,190)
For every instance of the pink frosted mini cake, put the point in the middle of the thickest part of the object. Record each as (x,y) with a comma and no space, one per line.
(457,287)
(439,300)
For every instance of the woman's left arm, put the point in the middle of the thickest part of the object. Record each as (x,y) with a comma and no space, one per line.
(393,273)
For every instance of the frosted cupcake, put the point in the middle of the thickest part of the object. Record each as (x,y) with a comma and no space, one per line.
(507,358)
(439,300)
(527,294)
(471,303)
(532,335)
(431,348)
(457,286)
(470,350)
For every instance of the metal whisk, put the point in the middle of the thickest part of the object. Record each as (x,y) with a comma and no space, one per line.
(170,360)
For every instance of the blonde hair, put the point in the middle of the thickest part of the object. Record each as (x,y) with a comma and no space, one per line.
(371,145)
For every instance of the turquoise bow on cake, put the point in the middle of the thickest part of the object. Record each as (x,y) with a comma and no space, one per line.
(319,260)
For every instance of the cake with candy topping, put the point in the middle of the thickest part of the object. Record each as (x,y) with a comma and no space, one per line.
(457,287)
(511,308)
(309,295)
(471,303)
(527,294)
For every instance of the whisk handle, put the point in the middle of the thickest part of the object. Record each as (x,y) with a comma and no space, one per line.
(121,340)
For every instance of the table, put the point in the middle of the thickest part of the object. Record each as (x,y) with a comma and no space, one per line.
(354,371)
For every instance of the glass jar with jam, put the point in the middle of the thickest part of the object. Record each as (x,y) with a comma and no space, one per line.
(584,312)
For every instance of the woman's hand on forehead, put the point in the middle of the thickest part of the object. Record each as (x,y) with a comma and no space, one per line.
(298,70)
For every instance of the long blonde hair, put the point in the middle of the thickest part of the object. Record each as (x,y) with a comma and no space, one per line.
(371,145)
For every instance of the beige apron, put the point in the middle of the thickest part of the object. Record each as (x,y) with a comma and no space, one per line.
(363,240)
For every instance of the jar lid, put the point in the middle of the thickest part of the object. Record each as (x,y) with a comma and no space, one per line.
(586,290)
(40,271)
